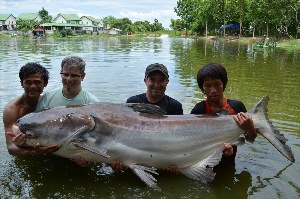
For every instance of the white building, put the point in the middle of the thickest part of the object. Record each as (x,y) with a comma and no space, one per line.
(96,23)
(7,22)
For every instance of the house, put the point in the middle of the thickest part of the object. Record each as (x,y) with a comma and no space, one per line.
(67,19)
(78,28)
(96,23)
(30,17)
(7,22)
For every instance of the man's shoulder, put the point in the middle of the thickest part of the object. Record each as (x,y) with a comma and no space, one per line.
(199,108)
(14,110)
(237,105)
(88,92)
(172,100)
(173,106)
(15,103)
(52,92)
(136,98)
(91,98)
(48,98)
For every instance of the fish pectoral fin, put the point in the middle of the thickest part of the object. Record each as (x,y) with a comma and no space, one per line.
(145,174)
(203,171)
(92,149)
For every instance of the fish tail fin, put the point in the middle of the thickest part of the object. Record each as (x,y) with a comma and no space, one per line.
(265,128)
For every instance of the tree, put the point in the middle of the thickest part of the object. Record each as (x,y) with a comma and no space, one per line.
(176,25)
(26,25)
(156,26)
(205,18)
(46,18)
(186,11)
(237,10)
(125,25)
(110,22)
(139,27)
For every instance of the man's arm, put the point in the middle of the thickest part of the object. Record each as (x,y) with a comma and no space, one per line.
(15,142)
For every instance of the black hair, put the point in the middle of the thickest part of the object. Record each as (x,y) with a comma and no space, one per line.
(32,68)
(214,71)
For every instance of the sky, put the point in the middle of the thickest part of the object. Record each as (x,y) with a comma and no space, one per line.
(135,10)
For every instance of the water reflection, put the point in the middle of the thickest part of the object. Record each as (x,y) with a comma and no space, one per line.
(115,71)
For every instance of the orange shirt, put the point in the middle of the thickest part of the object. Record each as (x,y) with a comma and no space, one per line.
(208,109)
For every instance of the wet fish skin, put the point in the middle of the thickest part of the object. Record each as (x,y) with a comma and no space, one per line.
(142,139)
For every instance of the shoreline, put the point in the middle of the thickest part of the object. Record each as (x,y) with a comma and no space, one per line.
(283,43)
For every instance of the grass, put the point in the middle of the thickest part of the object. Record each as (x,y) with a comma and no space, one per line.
(293,43)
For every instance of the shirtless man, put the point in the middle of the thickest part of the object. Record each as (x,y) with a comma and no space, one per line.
(33,78)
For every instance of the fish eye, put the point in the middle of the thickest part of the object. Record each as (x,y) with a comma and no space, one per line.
(29,134)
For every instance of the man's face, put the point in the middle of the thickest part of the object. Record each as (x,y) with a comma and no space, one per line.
(156,84)
(71,78)
(213,89)
(33,85)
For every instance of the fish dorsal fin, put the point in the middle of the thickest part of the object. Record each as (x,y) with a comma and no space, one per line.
(145,174)
(223,111)
(147,108)
(203,171)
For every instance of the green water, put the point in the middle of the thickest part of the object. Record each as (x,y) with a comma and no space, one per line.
(115,71)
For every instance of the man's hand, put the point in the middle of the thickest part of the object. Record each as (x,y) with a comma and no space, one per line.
(228,150)
(117,165)
(19,139)
(246,124)
(81,161)
(41,149)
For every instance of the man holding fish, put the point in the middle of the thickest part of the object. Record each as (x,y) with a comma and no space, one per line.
(212,80)
(215,100)
(33,78)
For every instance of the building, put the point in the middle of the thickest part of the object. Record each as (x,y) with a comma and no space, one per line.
(79,25)
(30,17)
(96,23)
(67,21)
(7,22)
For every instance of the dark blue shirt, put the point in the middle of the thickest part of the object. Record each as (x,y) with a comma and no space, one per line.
(170,105)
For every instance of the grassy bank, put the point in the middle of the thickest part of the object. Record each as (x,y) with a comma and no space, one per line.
(287,44)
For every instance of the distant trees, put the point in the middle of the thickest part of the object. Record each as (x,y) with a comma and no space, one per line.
(256,17)
(126,25)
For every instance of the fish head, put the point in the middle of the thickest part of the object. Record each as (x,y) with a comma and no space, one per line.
(53,126)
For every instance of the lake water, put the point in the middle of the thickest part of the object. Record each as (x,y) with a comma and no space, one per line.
(115,71)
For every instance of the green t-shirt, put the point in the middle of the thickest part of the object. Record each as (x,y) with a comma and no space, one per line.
(55,98)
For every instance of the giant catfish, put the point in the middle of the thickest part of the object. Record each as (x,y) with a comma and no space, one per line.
(143,138)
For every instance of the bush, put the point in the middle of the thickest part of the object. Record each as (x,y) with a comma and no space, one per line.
(66,32)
